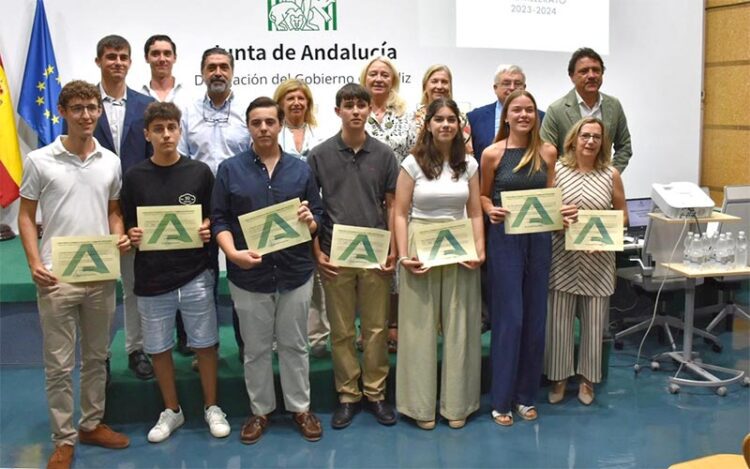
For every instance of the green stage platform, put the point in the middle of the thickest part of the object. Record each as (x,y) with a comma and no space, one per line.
(132,400)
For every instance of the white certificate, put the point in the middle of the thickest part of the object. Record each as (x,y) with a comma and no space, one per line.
(533,211)
(85,258)
(445,243)
(169,227)
(274,228)
(354,246)
(596,230)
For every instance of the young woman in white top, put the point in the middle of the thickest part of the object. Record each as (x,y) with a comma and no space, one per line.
(438,182)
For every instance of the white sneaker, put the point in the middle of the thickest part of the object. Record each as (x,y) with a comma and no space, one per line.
(169,421)
(217,421)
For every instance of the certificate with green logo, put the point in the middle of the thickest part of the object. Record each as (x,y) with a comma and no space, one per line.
(169,227)
(85,258)
(274,228)
(596,230)
(354,246)
(445,243)
(533,211)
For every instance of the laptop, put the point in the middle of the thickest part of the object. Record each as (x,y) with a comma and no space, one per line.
(638,210)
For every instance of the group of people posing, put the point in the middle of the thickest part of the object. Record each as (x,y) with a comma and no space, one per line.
(386,168)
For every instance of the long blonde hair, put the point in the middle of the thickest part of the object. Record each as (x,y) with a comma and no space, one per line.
(394,101)
(533,153)
(287,86)
(603,158)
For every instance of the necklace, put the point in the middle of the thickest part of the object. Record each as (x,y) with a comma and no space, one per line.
(294,127)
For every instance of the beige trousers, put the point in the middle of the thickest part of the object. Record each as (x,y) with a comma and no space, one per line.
(63,310)
(366,291)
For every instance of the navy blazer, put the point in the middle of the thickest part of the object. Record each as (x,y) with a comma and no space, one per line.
(133,145)
(482,121)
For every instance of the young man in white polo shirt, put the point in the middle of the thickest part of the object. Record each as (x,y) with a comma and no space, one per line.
(75,182)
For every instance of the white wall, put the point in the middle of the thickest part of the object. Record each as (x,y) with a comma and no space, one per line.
(654,65)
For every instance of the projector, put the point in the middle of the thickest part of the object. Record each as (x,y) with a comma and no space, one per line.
(682,200)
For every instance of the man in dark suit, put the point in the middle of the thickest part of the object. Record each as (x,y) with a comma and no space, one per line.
(586,71)
(485,120)
(120,129)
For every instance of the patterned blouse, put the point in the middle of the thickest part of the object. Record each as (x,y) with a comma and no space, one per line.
(394,131)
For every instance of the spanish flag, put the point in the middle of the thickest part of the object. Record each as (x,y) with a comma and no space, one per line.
(11,166)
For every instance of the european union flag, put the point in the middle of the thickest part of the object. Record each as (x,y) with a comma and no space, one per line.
(41,82)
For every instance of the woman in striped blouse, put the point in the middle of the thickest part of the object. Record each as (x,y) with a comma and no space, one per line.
(581,282)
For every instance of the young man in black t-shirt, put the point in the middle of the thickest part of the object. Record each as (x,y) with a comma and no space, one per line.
(178,277)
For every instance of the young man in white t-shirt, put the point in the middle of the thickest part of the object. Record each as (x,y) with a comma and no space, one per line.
(75,183)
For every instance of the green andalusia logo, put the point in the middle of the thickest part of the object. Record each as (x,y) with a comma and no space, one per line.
(274,220)
(96,265)
(302,15)
(367,255)
(180,233)
(542,217)
(603,238)
(446,235)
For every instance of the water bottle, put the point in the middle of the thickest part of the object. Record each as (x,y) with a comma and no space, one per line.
(740,258)
(721,251)
(705,251)
(697,253)
(731,249)
(687,247)
(713,240)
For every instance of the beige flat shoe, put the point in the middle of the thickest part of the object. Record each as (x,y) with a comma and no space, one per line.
(457,423)
(557,391)
(426,424)
(586,392)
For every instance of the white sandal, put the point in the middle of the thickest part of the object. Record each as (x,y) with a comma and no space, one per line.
(527,412)
(504,419)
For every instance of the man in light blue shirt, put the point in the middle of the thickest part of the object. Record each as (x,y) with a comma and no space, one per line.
(213,127)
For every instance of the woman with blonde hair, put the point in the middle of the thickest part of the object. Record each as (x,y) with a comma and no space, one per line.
(298,136)
(388,121)
(581,282)
(437,82)
(517,264)
(298,132)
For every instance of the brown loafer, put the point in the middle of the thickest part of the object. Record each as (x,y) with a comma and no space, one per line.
(253,429)
(103,436)
(309,425)
(62,458)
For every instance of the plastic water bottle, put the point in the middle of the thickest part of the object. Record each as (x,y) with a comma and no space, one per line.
(687,248)
(713,240)
(731,249)
(705,251)
(697,251)
(722,256)
(740,258)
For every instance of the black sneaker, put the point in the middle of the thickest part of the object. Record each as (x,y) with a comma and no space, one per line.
(140,364)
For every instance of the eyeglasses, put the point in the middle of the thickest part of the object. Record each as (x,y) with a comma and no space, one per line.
(78,109)
(587,137)
(516,84)
(216,117)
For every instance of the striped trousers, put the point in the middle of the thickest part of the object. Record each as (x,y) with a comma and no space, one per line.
(558,356)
